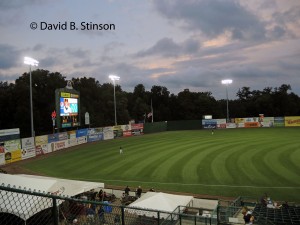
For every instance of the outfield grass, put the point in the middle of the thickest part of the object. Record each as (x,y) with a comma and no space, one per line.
(232,162)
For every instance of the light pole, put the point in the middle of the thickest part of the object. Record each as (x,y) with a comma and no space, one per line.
(114,78)
(227,82)
(31,62)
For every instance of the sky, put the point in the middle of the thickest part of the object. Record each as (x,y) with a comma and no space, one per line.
(190,44)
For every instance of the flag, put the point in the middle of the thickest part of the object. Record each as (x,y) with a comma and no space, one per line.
(149,115)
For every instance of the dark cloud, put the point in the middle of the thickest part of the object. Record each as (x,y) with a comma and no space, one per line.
(9,56)
(38,47)
(284,20)
(168,48)
(8,78)
(84,63)
(278,32)
(291,15)
(17,4)
(213,17)
(77,53)
(49,62)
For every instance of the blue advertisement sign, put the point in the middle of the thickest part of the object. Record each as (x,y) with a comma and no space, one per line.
(81,132)
(94,134)
(279,121)
(53,138)
(209,124)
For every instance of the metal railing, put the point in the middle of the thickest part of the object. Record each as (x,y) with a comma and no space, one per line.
(30,207)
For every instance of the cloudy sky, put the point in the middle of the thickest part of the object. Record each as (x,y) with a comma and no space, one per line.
(173,43)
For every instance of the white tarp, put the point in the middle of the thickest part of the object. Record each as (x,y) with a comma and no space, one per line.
(42,184)
(159,201)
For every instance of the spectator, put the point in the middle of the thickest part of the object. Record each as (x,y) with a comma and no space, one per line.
(127,189)
(100,194)
(139,192)
(285,205)
(263,199)
(247,216)
(101,214)
(152,189)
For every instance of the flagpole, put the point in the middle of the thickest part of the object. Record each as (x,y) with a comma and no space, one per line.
(152,110)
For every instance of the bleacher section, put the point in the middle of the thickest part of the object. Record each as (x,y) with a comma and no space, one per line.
(282,216)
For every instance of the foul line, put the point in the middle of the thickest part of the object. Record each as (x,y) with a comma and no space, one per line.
(204,185)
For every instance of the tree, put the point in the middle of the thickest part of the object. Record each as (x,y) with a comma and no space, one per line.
(43,98)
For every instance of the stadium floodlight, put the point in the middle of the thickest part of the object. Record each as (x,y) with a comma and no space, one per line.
(114,78)
(226,83)
(31,62)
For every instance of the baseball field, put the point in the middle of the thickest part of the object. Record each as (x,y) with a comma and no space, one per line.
(229,162)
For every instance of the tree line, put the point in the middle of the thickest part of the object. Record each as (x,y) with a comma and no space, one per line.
(97,99)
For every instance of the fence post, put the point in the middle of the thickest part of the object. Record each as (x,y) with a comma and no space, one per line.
(123,215)
(218,212)
(54,212)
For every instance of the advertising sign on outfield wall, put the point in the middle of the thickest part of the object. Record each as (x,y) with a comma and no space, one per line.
(12,151)
(239,122)
(108,133)
(9,134)
(279,121)
(72,141)
(59,145)
(231,125)
(209,124)
(41,140)
(81,132)
(137,128)
(251,124)
(41,145)
(62,136)
(42,149)
(221,123)
(81,140)
(266,121)
(72,134)
(292,121)
(94,134)
(126,130)
(2,153)
(52,138)
(2,158)
(28,148)
(118,132)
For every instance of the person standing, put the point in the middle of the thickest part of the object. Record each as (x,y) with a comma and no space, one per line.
(139,192)
(121,150)
(127,189)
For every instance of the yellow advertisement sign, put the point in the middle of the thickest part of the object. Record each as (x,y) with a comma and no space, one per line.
(13,156)
(41,140)
(292,121)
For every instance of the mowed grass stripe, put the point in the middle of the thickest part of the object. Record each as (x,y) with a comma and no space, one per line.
(291,158)
(273,160)
(189,161)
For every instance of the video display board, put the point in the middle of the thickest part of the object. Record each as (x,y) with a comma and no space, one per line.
(68,107)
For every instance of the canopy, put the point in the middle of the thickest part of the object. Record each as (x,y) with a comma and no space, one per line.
(159,201)
(17,204)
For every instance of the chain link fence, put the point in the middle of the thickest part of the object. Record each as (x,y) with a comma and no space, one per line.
(30,207)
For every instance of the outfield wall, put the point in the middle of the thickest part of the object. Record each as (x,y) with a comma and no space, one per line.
(13,149)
